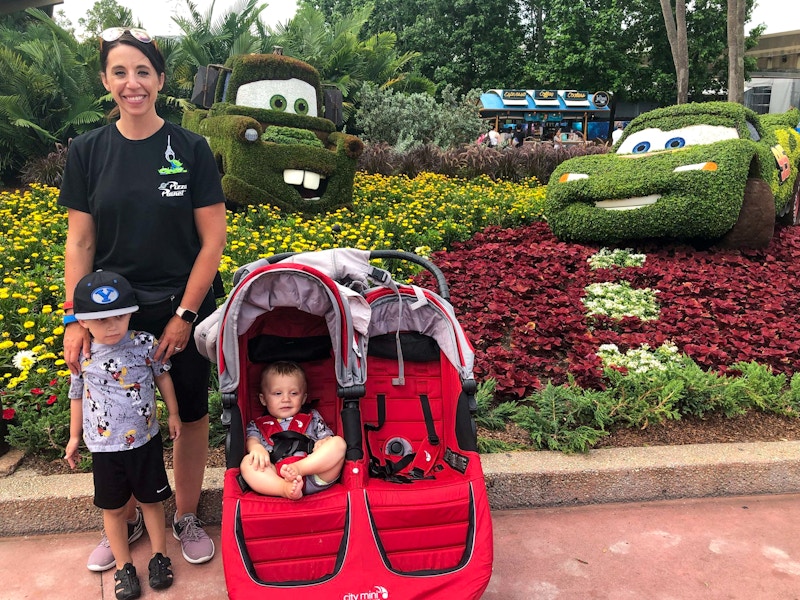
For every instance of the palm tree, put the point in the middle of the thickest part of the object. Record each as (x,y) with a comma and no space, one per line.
(47,93)
(206,40)
(343,59)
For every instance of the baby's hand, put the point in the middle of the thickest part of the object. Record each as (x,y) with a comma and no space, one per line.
(175,425)
(259,459)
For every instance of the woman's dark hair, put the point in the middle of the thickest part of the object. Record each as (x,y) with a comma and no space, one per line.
(149,49)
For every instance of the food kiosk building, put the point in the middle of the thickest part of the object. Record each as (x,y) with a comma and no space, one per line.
(542,112)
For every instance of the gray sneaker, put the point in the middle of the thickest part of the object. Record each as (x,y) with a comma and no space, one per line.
(101,558)
(196,546)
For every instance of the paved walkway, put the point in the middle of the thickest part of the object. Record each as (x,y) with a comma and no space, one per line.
(732,548)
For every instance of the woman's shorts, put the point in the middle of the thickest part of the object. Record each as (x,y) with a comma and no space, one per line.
(139,472)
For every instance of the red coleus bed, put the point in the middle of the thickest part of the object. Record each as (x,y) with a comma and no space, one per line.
(517,293)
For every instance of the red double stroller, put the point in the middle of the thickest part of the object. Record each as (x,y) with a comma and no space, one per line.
(390,370)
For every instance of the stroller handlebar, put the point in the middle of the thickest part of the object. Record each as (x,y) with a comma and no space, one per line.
(441,282)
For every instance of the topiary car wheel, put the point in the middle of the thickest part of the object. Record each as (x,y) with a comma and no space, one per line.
(793,216)
(756,223)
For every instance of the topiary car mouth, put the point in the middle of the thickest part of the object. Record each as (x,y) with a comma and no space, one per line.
(628,203)
(310,185)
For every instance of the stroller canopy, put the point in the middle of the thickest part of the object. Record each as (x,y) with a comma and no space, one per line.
(261,287)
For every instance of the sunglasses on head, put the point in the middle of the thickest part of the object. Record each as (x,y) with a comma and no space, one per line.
(114,33)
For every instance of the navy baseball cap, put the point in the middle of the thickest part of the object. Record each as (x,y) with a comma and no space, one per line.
(103,294)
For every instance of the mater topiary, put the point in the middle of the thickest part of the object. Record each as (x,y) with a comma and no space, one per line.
(271,145)
(709,172)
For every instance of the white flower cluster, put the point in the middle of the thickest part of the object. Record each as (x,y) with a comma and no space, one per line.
(617,300)
(24,360)
(618,257)
(640,360)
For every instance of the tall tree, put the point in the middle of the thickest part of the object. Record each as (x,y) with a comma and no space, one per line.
(105,14)
(588,45)
(675,20)
(345,58)
(208,38)
(466,43)
(736,47)
(102,15)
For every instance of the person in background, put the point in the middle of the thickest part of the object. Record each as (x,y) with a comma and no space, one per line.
(557,138)
(617,133)
(519,136)
(144,200)
(494,137)
(113,403)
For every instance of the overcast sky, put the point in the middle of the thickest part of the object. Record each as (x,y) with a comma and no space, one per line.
(156,15)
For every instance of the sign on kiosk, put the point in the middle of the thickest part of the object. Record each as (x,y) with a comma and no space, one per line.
(515,97)
(575,98)
(545,98)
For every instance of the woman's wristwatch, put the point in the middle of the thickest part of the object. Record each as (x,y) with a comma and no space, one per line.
(187,315)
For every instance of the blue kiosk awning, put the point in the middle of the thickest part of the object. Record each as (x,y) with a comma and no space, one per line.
(545,105)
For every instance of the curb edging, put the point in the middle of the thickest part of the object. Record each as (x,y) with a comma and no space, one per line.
(31,504)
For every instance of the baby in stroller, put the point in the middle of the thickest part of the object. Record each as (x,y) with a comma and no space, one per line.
(291,452)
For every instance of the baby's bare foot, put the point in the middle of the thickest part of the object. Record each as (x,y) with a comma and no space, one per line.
(290,472)
(293,488)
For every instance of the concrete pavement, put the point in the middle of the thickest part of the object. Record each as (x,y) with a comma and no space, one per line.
(730,548)
(712,521)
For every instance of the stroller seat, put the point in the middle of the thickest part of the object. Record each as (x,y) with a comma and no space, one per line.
(422,510)
(278,548)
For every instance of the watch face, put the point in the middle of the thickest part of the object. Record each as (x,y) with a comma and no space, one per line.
(187,315)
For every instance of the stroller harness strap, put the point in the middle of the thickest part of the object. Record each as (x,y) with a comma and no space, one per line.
(286,442)
(414,465)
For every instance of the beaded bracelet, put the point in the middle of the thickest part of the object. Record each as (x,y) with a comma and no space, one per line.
(70,319)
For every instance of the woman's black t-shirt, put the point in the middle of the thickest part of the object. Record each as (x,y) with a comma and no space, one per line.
(142,194)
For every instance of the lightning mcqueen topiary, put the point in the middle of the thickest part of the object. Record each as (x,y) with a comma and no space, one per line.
(712,172)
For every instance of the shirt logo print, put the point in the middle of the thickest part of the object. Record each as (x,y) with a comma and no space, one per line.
(175,166)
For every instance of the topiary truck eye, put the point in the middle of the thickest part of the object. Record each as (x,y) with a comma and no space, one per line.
(300,106)
(641,147)
(277,102)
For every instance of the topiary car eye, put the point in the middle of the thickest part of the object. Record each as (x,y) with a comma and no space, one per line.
(277,102)
(300,107)
(676,142)
(641,147)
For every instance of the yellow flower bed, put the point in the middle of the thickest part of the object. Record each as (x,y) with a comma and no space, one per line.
(387,212)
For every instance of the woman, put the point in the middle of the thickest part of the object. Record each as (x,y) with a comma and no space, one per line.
(143,199)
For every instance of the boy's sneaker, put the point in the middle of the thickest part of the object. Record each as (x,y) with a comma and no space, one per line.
(196,546)
(160,573)
(127,586)
(101,558)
